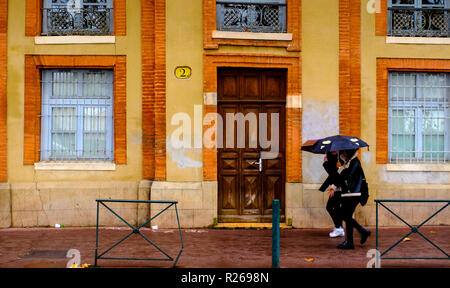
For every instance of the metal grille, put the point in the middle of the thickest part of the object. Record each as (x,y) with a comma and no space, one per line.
(419,117)
(82,17)
(251,16)
(77,115)
(419,18)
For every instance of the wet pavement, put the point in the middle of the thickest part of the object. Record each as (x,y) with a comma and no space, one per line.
(216,248)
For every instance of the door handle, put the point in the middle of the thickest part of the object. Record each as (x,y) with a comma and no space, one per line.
(259,162)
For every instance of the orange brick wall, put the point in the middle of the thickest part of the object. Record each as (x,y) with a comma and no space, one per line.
(381,19)
(154,89)
(32,105)
(293,115)
(350,67)
(33,17)
(384,65)
(293,26)
(3,65)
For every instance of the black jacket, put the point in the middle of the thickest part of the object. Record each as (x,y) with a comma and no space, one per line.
(333,176)
(352,177)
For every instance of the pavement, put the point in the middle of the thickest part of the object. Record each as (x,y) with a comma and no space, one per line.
(217,248)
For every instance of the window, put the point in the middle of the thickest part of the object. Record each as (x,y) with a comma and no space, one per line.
(419,119)
(419,18)
(251,15)
(77,115)
(77,17)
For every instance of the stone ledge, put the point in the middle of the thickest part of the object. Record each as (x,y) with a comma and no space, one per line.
(40,40)
(252,36)
(418,167)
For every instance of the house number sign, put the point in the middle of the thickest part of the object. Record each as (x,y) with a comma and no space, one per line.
(183,72)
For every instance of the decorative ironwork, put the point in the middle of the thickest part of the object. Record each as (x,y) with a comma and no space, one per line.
(419,22)
(81,21)
(255,16)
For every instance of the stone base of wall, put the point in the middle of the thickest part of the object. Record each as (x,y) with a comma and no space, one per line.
(306,205)
(197,204)
(5,205)
(73,204)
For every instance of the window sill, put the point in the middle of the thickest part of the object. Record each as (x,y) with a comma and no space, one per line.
(418,167)
(75,166)
(417,40)
(251,36)
(42,40)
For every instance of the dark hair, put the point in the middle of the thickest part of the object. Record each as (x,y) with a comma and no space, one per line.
(350,152)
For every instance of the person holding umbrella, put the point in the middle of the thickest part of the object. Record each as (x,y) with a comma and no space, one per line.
(352,181)
(349,182)
(333,204)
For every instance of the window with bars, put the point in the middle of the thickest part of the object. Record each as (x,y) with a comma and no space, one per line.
(251,15)
(419,18)
(419,119)
(77,17)
(77,115)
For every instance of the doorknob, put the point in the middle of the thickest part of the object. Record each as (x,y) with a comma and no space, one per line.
(260,164)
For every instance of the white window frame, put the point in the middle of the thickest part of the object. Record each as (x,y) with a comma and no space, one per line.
(79,103)
(418,123)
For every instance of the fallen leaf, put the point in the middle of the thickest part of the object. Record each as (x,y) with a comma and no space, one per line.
(433,232)
(406,239)
(310,260)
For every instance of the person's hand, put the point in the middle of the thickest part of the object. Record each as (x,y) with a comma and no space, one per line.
(325,159)
(331,192)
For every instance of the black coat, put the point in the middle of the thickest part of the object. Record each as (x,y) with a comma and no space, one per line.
(333,176)
(352,177)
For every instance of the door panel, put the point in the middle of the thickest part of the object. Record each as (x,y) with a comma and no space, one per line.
(251,85)
(247,183)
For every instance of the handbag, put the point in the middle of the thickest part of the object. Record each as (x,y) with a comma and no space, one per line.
(364,192)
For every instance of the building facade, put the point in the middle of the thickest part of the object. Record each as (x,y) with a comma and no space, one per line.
(133,99)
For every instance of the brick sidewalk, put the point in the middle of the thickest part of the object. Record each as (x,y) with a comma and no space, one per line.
(215,248)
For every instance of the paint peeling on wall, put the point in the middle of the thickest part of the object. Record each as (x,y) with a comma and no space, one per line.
(178,155)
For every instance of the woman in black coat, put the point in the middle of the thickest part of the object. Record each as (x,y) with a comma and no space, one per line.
(333,203)
(350,178)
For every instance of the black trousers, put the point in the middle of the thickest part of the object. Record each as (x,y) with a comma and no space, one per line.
(333,209)
(348,206)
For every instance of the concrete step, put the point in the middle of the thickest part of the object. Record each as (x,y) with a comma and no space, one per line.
(249,226)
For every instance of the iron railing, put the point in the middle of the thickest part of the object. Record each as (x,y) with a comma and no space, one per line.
(418,22)
(251,16)
(414,229)
(82,21)
(136,230)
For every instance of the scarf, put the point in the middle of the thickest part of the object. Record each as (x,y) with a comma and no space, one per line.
(346,162)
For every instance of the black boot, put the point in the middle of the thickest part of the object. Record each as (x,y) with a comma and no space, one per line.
(364,235)
(346,245)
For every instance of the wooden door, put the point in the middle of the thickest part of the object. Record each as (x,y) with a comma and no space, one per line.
(247,182)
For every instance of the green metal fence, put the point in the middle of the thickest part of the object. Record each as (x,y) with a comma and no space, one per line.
(136,230)
(414,229)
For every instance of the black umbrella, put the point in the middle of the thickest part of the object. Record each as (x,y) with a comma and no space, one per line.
(334,143)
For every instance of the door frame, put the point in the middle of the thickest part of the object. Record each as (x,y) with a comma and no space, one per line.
(293,120)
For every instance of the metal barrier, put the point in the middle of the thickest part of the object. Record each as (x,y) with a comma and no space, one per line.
(135,230)
(414,229)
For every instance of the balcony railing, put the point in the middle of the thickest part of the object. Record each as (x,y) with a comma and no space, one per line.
(251,16)
(82,21)
(419,22)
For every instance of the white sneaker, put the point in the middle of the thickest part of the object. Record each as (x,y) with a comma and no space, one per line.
(337,232)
